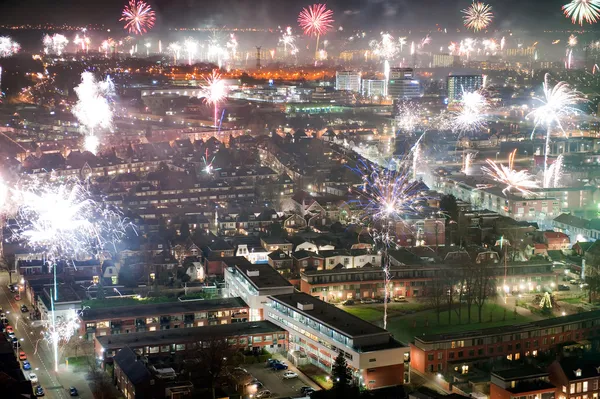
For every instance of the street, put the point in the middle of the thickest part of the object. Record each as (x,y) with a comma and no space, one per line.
(55,384)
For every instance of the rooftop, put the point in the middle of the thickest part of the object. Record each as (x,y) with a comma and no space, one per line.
(329,314)
(162,308)
(133,368)
(546,323)
(181,335)
(520,373)
(263,276)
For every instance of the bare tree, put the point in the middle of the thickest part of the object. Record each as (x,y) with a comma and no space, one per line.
(484,287)
(469,288)
(435,294)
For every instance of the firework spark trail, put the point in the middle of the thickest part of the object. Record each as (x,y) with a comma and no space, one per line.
(94,109)
(8,47)
(478,16)
(386,197)
(55,44)
(468,159)
(582,10)
(521,181)
(190,46)
(175,49)
(232,45)
(316,20)
(138,17)
(554,174)
(572,41)
(557,104)
(288,40)
(214,91)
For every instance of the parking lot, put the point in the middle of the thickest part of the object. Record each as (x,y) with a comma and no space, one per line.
(274,382)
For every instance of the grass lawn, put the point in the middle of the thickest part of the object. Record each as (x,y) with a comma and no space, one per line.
(405,328)
(79,362)
(572,301)
(375,312)
(317,375)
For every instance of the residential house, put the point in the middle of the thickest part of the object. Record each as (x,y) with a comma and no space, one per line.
(576,377)
(307,260)
(556,241)
(275,243)
(279,260)
(520,382)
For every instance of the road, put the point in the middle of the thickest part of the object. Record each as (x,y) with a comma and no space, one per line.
(55,384)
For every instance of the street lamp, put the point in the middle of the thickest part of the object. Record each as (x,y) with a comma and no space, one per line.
(497,153)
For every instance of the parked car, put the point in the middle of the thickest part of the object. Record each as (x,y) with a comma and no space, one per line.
(24,309)
(22,355)
(306,391)
(26,365)
(288,375)
(39,391)
(263,394)
(9,329)
(17,297)
(348,302)
(367,300)
(73,391)
(574,282)
(564,287)
(279,366)
(33,378)
(271,362)
(240,370)
(400,298)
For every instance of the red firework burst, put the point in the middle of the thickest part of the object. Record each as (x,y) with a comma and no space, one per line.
(138,17)
(315,20)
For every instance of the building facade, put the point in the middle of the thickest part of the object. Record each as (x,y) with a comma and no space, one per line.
(458,84)
(347,80)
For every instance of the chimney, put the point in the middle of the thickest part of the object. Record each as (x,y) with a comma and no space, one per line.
(305,306)
(253,273)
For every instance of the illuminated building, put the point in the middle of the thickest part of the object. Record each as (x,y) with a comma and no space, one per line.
(347,80)
(402,84)
(458,84)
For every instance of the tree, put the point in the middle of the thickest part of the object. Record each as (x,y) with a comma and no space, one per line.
(436,295)
(469,288)
(209,360)
(484,287)
(184,231)
(448,204)
(342,376)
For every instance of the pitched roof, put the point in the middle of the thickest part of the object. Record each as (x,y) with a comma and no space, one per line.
(134,369)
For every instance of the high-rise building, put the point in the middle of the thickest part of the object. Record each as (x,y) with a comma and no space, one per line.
(444,60)
(457,84)
(347,80)
(373,87)
(402,83)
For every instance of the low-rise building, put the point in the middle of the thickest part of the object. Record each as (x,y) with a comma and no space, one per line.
(516,383)
(321,331)
(576,377)
(162,316)
(440,352)
(254,283)
(245,336)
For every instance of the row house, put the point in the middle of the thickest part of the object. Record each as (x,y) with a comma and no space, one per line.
(576,377)
(253,336)
(162,316)
(442,352)
(576,227)
(518,383)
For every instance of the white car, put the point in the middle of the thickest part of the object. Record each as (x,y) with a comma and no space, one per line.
(289,375)
(263,394)
(33,378)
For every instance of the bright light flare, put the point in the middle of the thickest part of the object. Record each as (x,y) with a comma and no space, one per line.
(138,17)
(8,47)
(471,114)
(94,108)
(55,44)
(582,10)
(386,48)
(478,16)
(521,181)
(214,91)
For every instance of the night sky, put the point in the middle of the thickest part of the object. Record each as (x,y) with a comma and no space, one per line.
(351,14)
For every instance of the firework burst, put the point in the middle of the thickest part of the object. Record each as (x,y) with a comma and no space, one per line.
(288,40)
(190,46)
(521,181)
(387,48)
(316,20)
(572,41)
(582,10)
(64,220)
(214,91)
(8,47)
(471,115)
(387,196)
(410,116)
(557,104)
(55,44)
(94,109)
(138,17)
(478,16)
(468,159)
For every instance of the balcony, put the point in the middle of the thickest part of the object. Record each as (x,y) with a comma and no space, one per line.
(165,320)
